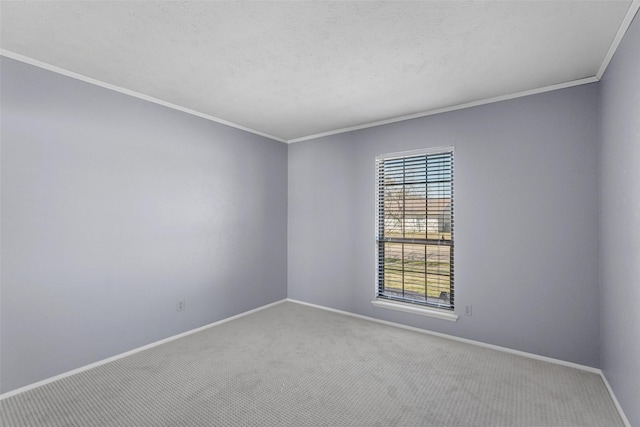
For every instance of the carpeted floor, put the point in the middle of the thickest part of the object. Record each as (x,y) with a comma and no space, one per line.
(293,365)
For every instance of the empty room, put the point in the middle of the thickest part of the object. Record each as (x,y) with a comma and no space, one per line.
(373,213)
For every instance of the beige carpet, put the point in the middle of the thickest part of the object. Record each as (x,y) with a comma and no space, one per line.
(293,365)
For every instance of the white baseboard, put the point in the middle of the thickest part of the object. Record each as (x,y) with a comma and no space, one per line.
(454,338)
(130,352)
(346,313)
(615,400)
(485,345)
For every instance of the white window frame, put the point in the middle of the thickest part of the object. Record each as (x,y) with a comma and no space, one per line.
(424,309)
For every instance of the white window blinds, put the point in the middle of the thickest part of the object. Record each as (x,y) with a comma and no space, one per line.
(415,228)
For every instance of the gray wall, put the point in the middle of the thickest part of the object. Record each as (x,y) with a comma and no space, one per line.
(620,223)
(113,208)
(525,213)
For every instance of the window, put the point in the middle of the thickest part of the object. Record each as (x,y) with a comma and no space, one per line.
(415,227)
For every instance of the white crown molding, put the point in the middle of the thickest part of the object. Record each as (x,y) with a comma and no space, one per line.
(65,72)
(68,73)
(626,22)
(624,26)
(452,108)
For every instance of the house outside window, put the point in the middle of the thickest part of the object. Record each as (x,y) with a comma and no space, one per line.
(415,228)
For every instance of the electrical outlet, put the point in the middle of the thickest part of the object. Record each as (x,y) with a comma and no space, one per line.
(181,304)
(467,310)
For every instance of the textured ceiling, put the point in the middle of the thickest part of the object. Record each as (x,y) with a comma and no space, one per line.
(291,70)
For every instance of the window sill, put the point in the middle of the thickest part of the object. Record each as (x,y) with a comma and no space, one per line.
(422,311)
